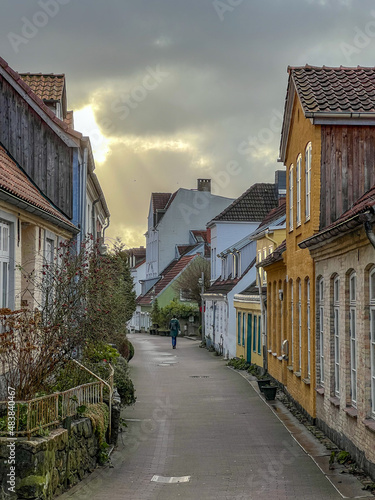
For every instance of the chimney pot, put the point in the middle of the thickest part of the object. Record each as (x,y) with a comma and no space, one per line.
(204,185)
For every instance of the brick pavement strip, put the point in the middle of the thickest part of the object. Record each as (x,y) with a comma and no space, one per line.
(195,417)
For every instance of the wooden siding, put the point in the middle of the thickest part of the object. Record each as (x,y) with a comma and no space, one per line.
(36,148)
(347,168)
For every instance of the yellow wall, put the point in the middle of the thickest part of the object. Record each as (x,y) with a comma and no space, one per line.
(299,266)
(245,309)
(265,246)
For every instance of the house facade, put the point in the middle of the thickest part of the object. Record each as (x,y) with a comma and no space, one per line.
(327,135)
(233,256)
(344,258)
(171,218)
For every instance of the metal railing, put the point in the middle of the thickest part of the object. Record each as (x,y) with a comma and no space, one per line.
(49,411)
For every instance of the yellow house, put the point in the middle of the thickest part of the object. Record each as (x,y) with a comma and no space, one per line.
(328,128)
(250,310)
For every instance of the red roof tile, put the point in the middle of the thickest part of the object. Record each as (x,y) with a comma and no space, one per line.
(275,256)
(201,234)
(16,77)
(15,182)
(169,274)
(347,221)
(335,90)
(49,87)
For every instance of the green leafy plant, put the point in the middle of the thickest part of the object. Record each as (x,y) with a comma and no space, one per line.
(239,363)
(124,383)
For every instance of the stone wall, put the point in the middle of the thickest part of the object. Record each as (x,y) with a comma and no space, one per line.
(46,466)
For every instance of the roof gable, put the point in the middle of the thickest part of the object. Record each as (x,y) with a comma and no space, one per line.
(329,95)
(17,187)
(251,206)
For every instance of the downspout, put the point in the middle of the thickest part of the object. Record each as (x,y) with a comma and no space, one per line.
(105,227)
(93,218)
(270,239)
(368,226)
(263,312)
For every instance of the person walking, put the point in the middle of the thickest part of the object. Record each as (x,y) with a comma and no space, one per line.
(174,327)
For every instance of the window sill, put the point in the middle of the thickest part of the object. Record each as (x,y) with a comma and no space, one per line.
(307,219)
(370,424)
(290,368)
(297,374)
(269,351)
(335,401)
(320,390)
(298,224)
(274,354)
(280,358)
(351,411)
(306,381)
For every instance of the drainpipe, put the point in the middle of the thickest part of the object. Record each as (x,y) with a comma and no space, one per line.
(368,226)
(270,239)
(105,227)
(93,218)
(263,312)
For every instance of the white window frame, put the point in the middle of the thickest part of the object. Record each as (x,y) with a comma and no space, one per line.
(321,331)
(353,338)
(291,189)
(372,339)
(336,334)
(299,326)
(298,188)
(4,262)
(308,328)
(292,321)
(308,153)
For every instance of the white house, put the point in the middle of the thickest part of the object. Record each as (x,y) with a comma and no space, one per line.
(233,258)
(170,220)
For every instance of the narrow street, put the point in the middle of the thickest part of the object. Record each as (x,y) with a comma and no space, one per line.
(198,422)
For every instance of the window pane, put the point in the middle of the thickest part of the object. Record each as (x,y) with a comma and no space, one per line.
(5,284)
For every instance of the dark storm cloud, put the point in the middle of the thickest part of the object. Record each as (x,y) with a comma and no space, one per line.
(207,73)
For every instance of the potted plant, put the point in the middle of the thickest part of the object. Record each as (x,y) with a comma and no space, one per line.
(262,382)
(269,392)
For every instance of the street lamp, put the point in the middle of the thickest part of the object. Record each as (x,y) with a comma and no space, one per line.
(201,283)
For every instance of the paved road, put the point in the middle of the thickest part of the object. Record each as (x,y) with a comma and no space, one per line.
(196,419)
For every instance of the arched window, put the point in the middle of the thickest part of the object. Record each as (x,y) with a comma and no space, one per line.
(308,328)
(291,198)
(372,338)
(298,186)
(336,336)
(308,181)
(321,330)
(299,326)
(353,337)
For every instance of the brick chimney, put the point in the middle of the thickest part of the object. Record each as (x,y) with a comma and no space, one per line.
(204,185)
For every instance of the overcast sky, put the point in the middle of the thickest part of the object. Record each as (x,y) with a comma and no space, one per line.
(174,90)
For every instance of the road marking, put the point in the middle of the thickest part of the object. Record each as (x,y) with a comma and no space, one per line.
(170,480)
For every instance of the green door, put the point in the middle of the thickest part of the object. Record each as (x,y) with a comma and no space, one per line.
(249,335)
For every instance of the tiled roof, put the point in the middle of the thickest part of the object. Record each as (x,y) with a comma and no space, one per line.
(251,206)
(335,90)
(69,119)
(49,87)
(169,274)
(137,252)
(252,289)
(201,234)
(275,215)
(184,249)
(159,201)
(275,256)
(139,263)
(347,221)
(16,183)
(16,77)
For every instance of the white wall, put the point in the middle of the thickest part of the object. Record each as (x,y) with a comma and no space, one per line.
(190,210)
(226,234)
